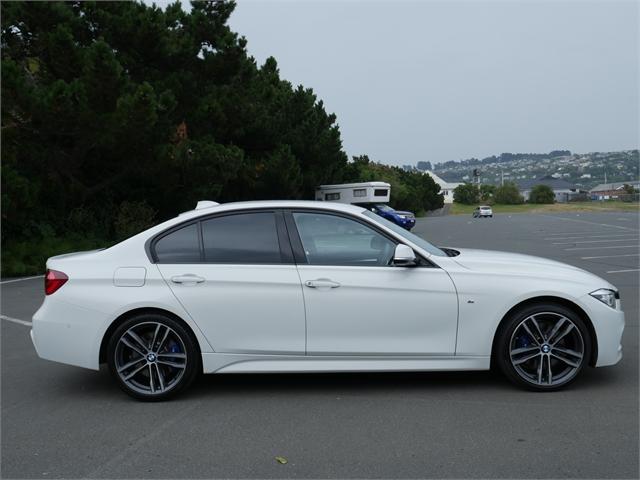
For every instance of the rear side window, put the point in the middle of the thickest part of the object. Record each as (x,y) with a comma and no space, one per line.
(242,238)
(180,246)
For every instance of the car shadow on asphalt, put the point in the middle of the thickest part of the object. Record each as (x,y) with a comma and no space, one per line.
(478,383)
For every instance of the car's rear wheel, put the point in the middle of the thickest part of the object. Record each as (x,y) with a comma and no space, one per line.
(543,347)
(153,357)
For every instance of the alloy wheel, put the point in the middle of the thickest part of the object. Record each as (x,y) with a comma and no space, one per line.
(546,349)
(150,358)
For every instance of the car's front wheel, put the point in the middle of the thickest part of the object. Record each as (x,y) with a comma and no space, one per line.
(543,347)
(153,357)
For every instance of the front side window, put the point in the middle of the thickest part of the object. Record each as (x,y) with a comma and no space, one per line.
(243,238)
(380,192)
(179,246)
(421,242)
(334,240)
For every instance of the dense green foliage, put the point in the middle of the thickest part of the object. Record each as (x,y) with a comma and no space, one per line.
(116,115)
(541,194)
(508,194)
(467,194)
(487,191)
(471,193)
(411,191)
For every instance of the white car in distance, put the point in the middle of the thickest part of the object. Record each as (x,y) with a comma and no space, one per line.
(483,211)
(293,286)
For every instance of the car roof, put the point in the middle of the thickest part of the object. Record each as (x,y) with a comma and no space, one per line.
(256,204)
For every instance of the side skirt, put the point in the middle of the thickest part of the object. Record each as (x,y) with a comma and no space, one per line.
(235,363)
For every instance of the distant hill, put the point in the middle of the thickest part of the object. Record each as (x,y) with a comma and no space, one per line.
(582,169)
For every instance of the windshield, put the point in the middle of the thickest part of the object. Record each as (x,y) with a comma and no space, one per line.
(421,242)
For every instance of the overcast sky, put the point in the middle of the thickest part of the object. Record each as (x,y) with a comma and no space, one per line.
(447,80)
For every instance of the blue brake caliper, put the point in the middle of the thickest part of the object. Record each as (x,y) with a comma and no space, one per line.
(523,341)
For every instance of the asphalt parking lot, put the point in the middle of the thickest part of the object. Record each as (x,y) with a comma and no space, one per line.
(60,421)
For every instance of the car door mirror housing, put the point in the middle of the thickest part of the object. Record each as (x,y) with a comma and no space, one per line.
(404,256)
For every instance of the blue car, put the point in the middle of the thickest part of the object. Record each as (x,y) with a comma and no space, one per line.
(406,220)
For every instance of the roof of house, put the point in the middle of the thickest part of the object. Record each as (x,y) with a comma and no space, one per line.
(548,180)
(605,187)
(440,181)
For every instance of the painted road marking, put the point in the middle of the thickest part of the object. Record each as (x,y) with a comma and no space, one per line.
(592,236)
(592,223)
(571,233)
(623,271)
(15,320)
(598,248)
(612,256)
(594,241)
(21,279)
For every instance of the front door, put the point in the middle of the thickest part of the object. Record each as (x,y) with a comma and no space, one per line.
(358,304)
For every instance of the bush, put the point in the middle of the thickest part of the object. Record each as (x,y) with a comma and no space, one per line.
(541,194)
(487,192)
(467,193)
(508,194)
(29,257)
(132,218)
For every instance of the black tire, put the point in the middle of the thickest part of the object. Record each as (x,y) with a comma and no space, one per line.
(547,316)
(168,351)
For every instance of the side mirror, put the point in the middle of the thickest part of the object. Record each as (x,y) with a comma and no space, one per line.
(404,256)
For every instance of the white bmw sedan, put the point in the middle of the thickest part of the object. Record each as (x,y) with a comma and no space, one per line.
(292,286)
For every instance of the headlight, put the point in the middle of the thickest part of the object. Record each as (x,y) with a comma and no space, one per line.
(404,217)
(606,296)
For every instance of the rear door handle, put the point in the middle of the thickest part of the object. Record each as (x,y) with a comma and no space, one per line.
(321,283)
(187,278)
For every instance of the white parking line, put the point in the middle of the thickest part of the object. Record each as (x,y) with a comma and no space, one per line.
(572,233)
(15,320)
(598,248)
(593,241)
(592,236)
(592,223)
(623,271)
(612,256)
(21,279)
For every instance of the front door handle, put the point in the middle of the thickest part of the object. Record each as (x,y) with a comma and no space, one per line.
(321,283)
(187,278)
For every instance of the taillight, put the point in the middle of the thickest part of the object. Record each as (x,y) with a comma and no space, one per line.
(53,280)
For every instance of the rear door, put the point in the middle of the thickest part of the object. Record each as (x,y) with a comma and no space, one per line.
(234,273)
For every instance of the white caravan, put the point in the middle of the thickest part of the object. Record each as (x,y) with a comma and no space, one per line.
(355,193)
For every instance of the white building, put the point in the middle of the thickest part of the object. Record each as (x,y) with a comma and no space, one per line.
(446,188)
